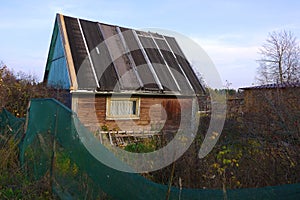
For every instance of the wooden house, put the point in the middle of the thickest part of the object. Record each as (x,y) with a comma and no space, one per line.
(116,75)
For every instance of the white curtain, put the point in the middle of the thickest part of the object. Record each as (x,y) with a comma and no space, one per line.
(121,108)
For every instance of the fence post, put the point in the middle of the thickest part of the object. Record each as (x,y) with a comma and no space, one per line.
(53,150)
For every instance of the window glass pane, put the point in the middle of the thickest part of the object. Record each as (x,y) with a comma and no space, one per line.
(122,108)
(134,107)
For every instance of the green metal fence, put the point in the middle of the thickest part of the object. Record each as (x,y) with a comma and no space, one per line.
(52,145)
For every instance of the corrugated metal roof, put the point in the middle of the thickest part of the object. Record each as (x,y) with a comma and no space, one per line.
(274,86)
(112,58)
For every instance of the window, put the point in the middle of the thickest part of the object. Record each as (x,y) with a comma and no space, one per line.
(122,108)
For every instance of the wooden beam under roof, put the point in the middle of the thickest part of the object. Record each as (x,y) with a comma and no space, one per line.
(67,49)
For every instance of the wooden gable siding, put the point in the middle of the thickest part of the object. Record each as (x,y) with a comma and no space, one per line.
(272,111)
(258,100)
(168,118)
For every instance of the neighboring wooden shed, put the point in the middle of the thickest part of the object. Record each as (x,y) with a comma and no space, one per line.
(259,98)
(121,75)
(272,109)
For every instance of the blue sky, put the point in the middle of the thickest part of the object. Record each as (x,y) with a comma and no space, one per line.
(231,32)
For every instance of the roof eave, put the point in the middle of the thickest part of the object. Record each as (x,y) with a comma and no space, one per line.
(129,92)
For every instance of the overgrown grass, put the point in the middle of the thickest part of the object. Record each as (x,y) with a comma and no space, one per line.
(14,184)
(238,160)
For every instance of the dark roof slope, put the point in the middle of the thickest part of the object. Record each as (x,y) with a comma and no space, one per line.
(112,58)
(274,86)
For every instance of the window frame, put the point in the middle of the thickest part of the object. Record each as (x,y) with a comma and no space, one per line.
(122,117)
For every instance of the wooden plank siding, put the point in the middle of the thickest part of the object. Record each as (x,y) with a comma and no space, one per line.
(273,111)
(257,100)
(166,112)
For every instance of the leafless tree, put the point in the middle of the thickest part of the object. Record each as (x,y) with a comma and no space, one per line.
(280,58)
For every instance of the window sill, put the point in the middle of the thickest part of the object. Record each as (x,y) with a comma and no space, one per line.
(122,118)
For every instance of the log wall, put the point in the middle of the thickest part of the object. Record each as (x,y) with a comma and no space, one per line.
(156,113)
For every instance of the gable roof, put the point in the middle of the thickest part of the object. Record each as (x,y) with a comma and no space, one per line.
(105,58)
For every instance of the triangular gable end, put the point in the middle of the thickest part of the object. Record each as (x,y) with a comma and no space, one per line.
(57,72)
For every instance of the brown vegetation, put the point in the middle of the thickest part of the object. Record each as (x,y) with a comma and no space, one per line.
(16,90)
(255,149)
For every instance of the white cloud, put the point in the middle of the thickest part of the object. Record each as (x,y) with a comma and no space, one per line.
(234,62)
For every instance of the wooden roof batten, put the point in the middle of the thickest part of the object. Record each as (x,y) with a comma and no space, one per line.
(67,50)
(157,78)
(168,67)
(148,61)
(128,54)
(88,53)
(185,76)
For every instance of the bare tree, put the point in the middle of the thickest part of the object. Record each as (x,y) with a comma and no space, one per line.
(280,58)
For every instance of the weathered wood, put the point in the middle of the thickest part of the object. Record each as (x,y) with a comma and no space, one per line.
(155,112)
(68,53)
(123,138)
(131,133)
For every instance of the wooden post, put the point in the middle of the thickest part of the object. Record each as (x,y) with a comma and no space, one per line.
(100,137)
(110,138)
(170,181)
(52,179)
